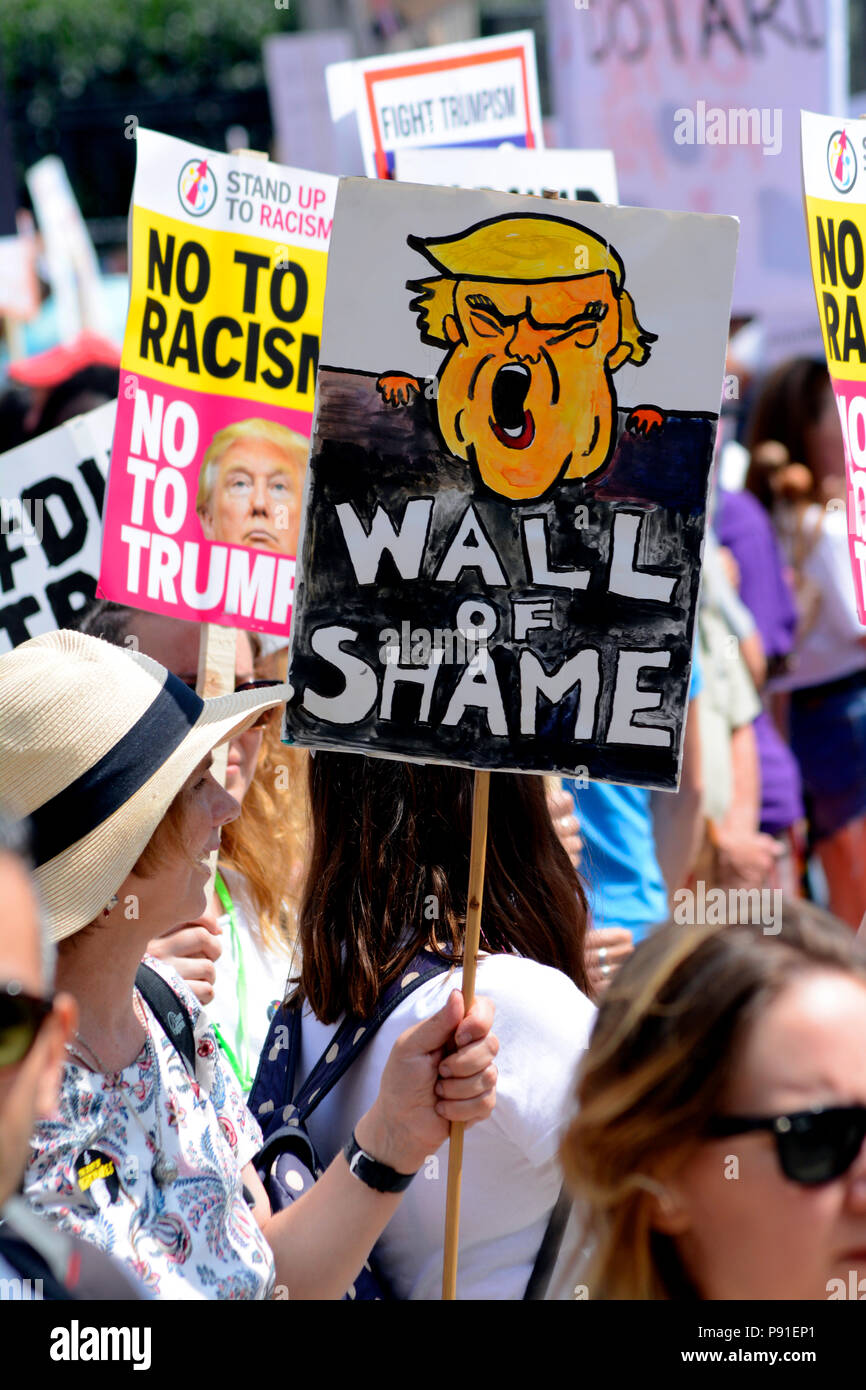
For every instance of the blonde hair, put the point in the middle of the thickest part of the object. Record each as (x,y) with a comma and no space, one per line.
(268,842)
(531,248)
(665,1043)
(290,441)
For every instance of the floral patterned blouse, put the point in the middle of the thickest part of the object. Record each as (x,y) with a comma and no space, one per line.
(90,1167)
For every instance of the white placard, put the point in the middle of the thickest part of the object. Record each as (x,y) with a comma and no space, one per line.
(19,292)
(574,174)
(51,498)
(479,93)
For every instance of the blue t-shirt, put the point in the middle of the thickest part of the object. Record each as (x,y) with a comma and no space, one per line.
(619,863)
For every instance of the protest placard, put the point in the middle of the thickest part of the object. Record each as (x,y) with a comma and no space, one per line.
(19,292)
(516,412)
(70,260)
(295,72)
(217,385)
(51,498)
(699,101)
(834,187)
(478,93)
(588,175)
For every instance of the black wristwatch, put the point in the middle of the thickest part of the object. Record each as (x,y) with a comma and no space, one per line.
(370,1171)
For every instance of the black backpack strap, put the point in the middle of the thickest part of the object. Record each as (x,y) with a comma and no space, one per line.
(354,1034)
(274,1083)
(548,1251)
(171,1013)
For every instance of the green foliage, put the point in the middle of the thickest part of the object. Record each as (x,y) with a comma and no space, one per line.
(75,70)
(57,49)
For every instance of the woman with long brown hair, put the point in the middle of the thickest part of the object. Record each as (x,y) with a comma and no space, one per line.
(388,878)
(718,1142)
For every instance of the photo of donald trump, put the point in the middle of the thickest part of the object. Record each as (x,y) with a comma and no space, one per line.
(251,485)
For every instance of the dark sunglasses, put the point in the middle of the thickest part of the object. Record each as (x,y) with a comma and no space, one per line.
(814,1146)
(266,715)
(21,1017)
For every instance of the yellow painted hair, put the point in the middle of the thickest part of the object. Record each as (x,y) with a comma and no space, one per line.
(527,249)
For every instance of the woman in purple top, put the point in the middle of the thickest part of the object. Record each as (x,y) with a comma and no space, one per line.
(801,484)
(743,526)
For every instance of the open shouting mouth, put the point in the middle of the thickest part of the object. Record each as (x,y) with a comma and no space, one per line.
(511,422)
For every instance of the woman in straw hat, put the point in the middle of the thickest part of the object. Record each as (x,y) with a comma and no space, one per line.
(108,754)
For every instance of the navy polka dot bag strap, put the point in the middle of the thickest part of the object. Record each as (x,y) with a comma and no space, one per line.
(287,1163)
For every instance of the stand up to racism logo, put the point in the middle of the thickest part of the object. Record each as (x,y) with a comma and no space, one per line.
(196,187)
(841,161)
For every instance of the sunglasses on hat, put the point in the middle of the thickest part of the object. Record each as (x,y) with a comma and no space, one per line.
(266,715)
(814,1146)
(21,1017)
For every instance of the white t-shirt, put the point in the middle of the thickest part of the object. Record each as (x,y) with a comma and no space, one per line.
(832,648)
(511,1177)
(250,981)
(90,1167)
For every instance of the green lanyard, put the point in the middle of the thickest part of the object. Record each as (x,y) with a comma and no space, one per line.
(240,1068)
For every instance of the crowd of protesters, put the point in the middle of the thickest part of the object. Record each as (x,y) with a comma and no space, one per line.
(641,1040)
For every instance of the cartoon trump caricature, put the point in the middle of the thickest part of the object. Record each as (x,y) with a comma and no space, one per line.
(535,319)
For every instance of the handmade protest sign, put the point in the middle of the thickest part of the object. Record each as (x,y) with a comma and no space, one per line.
(217,385)
(504,513)
(478,93)
(574,174)
(834,189)
(50,525)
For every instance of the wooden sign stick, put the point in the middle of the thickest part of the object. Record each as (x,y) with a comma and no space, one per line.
(477,858)
(217,655)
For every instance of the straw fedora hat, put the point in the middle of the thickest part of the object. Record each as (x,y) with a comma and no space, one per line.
(95,743)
